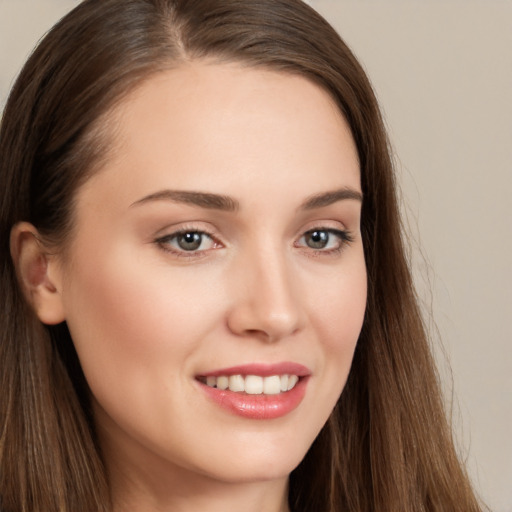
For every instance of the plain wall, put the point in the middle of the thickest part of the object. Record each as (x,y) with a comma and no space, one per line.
(443,73)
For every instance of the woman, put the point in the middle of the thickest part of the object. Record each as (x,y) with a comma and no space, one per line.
(207,300)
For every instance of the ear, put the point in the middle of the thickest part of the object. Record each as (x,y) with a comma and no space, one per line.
(38,273)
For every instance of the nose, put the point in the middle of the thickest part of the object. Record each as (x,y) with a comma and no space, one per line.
(266,303)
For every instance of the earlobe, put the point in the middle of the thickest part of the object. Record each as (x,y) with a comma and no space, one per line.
(37,272)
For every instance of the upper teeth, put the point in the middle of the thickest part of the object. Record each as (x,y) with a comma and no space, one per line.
(254,384)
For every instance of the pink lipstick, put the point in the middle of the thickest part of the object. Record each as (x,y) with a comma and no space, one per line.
(257,391)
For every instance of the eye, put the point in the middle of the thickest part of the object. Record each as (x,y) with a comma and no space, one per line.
(326,240)
(186,241)
(190,241)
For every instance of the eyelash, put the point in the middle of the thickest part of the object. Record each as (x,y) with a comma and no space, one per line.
(344,236)
(164,243)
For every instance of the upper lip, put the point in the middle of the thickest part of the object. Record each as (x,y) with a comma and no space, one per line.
(262,369)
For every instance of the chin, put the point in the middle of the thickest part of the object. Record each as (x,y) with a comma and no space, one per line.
(264,464)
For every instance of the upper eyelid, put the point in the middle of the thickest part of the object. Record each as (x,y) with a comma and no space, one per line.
(183,227)
(326,223)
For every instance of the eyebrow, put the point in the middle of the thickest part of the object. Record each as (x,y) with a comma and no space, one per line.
(327,198)
(225,203)
(201,199)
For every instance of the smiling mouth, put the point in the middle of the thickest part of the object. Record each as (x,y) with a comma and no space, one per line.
(257,391)
(252,384)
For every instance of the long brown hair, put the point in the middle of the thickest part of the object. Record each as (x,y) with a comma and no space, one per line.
(387,445)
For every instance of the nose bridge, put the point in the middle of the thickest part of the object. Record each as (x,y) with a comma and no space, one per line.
(267,302)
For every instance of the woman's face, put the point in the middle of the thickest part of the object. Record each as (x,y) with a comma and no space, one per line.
(219,246)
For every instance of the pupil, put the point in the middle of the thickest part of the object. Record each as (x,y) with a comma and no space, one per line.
(318,239)
(190,241)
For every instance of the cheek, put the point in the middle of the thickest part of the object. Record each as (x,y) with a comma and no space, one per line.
(338,315)
(340,306)
(125,317)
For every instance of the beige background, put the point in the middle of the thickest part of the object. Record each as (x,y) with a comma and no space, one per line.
(443,73)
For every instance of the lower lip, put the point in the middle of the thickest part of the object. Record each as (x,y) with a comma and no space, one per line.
(258,407)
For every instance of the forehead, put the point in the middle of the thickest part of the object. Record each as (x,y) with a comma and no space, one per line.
(228,126)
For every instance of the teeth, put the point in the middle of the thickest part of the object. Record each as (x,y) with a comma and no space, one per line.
(254,384)
(272,385)
(292,380)
(236,383)
(223,382)
(284,382)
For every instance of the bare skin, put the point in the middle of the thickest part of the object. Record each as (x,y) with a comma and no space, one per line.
(223,231)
